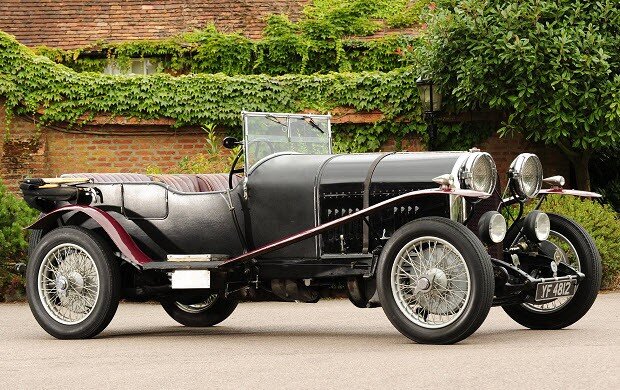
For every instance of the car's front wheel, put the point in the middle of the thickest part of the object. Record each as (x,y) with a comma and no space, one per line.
(435,281)
(73,283)
(581,254)
(209,312)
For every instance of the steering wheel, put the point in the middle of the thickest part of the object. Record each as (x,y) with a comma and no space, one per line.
(257,147)
(256,142)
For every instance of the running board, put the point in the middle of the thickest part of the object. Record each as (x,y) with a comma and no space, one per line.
(197,258)
(191,262)
(175,265)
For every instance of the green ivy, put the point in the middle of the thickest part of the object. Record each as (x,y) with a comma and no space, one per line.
(283,50)
(320,42)
(290,69)
(31,83)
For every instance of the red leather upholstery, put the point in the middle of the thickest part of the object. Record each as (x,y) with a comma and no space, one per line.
(204,182)
(181,183)
(216,181)
(111,177)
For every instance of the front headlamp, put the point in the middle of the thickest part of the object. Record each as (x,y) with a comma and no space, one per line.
(537,226)
(526,175)
(479,173)
(492,227)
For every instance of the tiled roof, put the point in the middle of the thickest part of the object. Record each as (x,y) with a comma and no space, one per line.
(69,24)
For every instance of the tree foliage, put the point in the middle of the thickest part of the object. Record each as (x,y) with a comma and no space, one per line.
(553,65)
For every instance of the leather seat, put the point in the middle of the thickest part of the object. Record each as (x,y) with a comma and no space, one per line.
(111,177)
(181,183)
(216,181)
(203,182)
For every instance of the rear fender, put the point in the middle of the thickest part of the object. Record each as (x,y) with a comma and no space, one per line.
(119,236)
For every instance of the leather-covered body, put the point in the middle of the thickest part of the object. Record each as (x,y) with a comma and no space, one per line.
(286,194)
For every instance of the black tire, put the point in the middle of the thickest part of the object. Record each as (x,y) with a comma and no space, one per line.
(215,313)
(109,283)
(478,263)
(587,290)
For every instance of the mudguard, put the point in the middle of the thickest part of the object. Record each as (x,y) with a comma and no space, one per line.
(562,191)
(113,229)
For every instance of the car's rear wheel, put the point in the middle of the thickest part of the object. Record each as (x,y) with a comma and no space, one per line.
(209,312)
(581,254)
(73,283)
(435,281)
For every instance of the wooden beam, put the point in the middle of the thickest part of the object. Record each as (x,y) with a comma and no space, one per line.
(340,115)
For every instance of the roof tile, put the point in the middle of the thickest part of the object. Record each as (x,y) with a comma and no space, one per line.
(70,24)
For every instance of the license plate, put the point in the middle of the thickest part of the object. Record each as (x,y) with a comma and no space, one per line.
(188,279)
(555,289)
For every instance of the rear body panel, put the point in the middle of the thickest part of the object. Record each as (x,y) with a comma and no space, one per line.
(163,221)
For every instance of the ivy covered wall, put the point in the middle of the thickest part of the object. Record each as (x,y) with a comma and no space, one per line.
(328,60)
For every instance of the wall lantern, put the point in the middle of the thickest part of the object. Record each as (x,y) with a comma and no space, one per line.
(431,106)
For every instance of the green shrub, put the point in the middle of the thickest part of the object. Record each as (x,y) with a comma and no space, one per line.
(603,224)
(14,216)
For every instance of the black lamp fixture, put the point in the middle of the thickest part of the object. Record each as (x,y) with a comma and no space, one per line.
(431,105)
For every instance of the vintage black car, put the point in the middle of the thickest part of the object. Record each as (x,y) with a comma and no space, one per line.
(422,235)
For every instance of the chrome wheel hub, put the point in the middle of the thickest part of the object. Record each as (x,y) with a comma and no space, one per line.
(76,281)
(62,284)
(430,282)
(68,284)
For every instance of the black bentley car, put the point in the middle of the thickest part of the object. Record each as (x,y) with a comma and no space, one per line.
(422,235)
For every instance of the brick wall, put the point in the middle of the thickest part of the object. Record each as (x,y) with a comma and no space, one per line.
(28,151)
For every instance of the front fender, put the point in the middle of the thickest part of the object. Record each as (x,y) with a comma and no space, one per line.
(562,191)
(113,229)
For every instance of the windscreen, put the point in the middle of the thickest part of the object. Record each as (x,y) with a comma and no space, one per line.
(266,134)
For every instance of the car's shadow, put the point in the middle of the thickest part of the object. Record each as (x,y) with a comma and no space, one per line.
(274,334)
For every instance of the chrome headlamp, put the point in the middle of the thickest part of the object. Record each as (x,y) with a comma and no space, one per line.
(526,175)
(479,173)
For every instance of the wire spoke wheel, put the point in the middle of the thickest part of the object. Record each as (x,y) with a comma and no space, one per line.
(68,284)
(198,307)
(435,281)
(571,259)
(215,308)
(430,282)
